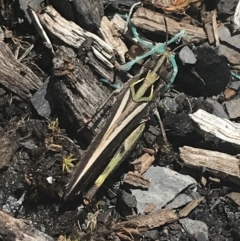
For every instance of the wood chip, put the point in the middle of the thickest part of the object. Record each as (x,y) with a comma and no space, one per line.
(9,144)
(15,76)
(218,164)
(143,163)
(229,93)
(189,207)
(14,229)
(149,208)
(214,179)
(155,219)
(203,181)
(222,128)
(154,22)
(109,33)
(136,180)
(73,35)
(54,147)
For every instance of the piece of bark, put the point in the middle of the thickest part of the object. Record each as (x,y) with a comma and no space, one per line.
(162,216)
(54,147)
(136,180)
(12,229)
(221,128)
(149,208)
(203,181)
(9,144)
(143,163)
(189,207)
(15,76)
(67,32)
(154,22)
(155,219)
(214,180)
(218,164)
(40,100)
(99,67)
(76,91)
(73,35)
(119,23)
(207,21)
(111,36)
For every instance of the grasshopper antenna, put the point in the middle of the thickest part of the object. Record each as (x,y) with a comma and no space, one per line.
(160,61)
(166,28)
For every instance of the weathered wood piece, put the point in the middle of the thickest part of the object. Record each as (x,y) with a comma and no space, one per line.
(162,216)
(189,207)
(221,128)
(119,23)
(13,229)
(154,22)
(69,33)
(99,67)
(216,163)
(15,76)
(72,34)
(155,219)
(136,180)
(143,163)
(76,91)
(112,37)
(9,143)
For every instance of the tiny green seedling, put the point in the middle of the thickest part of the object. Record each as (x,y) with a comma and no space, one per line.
(68,163)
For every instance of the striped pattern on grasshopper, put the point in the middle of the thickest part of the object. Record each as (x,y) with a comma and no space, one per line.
(132,106)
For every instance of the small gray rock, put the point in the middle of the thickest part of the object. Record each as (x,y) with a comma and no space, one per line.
(34,4)
(165,185)
(218,108)
(152,234)
(169,103)
(233,109)
(126,203)
(230,45)
(179,201)
(41,101)
(30,145)
(235,85)
(194,227)
(226,8)
(187,56)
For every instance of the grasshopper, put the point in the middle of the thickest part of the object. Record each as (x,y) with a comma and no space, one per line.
(123,128)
